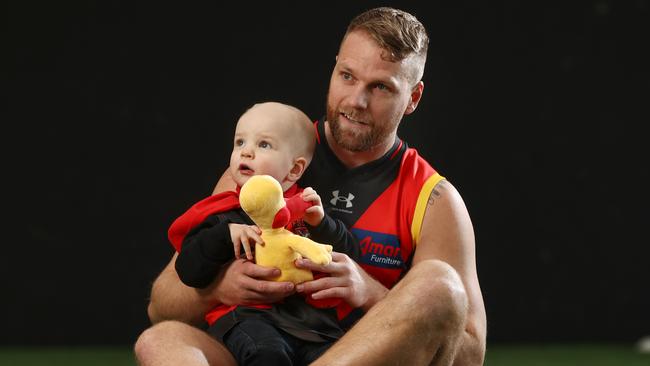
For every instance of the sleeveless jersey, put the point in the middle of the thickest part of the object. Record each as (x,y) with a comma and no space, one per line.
(381,202)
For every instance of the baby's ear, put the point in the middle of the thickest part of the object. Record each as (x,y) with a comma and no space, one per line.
(299,166)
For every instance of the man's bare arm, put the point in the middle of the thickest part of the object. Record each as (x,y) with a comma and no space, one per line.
(237,283)
(172,300)
(225,183)
(447,235)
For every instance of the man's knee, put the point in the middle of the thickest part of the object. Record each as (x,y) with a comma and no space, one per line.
(149,342)
(438,291)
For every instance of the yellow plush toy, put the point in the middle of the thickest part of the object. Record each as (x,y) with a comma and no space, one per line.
(262,199)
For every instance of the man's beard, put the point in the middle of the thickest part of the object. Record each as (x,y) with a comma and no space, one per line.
(351,139)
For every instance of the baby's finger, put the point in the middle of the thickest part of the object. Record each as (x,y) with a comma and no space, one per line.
(236,247)
(255,236)
(308,190)
(247,249)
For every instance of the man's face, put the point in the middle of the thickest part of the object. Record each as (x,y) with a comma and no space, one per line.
(368,94)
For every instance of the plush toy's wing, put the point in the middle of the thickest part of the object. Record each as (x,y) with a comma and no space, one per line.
(200,211)
(315,252)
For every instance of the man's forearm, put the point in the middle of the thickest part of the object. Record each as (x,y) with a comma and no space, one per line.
(172,300)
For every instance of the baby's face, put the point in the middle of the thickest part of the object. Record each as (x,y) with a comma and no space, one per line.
(262,145)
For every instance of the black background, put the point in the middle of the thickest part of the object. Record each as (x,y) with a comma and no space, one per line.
(124,113)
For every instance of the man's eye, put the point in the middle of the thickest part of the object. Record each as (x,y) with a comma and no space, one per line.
(381,87)
(264,145)
(346,76)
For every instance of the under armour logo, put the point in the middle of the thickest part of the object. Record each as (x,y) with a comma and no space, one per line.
(347,200)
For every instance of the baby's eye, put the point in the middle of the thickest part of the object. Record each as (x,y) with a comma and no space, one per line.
(264,145)
(239,142)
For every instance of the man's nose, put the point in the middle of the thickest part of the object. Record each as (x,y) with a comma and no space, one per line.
(359,97)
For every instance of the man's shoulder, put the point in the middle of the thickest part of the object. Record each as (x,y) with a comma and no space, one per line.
(415,166)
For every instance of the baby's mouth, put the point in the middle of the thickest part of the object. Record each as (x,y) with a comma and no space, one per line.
(245,169)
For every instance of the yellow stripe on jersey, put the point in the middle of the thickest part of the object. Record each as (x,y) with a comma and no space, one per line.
(421,205)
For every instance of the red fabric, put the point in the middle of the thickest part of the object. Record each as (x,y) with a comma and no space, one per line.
(293,210)
(282,218)
(297,207)
(222,310)
(221,202)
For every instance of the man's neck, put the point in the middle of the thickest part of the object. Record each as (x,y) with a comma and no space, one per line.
(353,159)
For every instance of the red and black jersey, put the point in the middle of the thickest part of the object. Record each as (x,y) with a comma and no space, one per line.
(381,202)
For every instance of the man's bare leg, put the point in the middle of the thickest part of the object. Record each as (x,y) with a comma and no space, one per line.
(419,322)
(176,343)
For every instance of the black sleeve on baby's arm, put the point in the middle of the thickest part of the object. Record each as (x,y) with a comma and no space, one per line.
(333,231)
(204,250)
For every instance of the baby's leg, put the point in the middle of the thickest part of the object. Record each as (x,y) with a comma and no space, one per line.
(256,342)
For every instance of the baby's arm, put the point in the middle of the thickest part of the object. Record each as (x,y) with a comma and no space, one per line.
(325,229)
(243,235)
(203,251)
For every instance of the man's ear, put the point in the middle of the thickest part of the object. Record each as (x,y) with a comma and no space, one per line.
(299,166)
(416,95)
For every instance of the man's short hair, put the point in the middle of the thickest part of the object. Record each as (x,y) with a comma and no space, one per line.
(396,31)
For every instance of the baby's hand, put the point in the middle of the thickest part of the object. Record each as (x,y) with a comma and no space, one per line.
(314,214)
(243,235)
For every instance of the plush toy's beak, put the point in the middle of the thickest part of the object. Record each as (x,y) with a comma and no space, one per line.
(281,218)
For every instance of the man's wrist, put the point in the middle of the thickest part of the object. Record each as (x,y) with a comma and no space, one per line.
(378,296)
(376,292)
(209,296)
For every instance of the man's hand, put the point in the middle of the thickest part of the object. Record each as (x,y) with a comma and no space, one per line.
(346,280)
(242,283)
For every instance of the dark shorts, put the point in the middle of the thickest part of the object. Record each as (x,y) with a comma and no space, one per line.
(293,315)
(254,341)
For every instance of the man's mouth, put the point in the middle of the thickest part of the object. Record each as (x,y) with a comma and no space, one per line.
(245,169)
(352,119)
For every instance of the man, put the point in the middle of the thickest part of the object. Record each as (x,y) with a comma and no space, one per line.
(422,304)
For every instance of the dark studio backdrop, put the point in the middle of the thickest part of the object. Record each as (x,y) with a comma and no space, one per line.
(125,112)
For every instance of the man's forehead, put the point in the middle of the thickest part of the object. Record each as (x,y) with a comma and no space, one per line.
(359,50)
(360,53)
